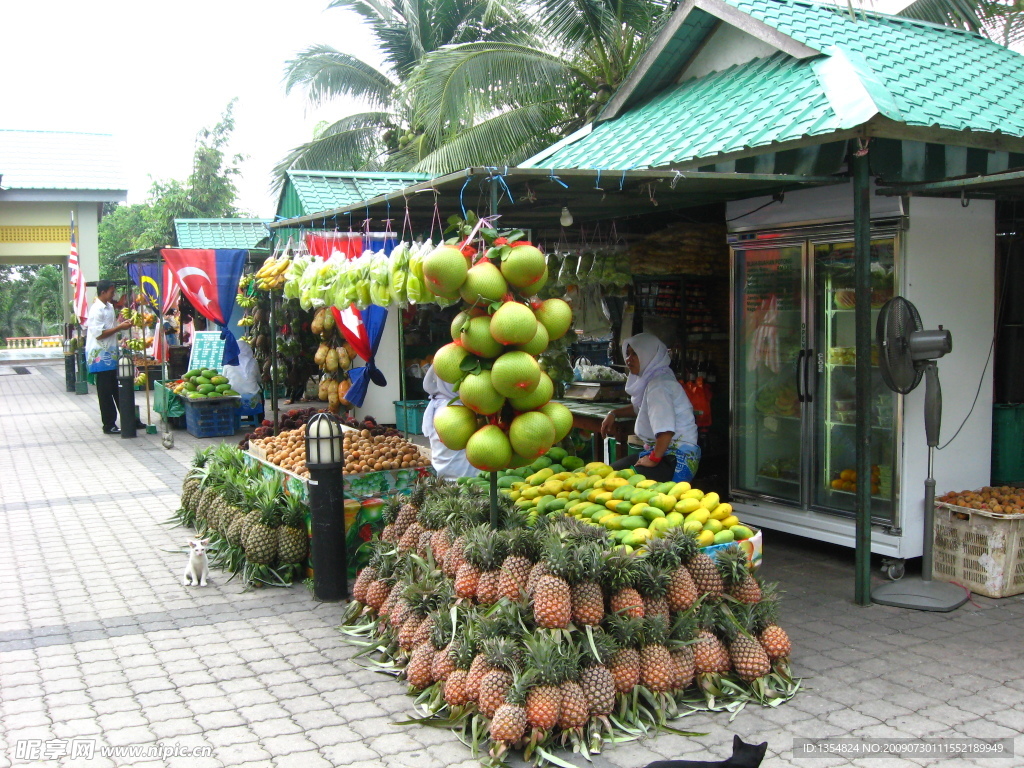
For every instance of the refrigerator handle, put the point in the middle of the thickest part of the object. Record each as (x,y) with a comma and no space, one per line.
(799,363)
(807,375)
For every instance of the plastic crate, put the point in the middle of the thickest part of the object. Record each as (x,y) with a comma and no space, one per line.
(409,416)
(981,550)
(212,418)
(251,409)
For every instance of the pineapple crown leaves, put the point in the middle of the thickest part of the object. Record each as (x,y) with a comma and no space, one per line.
(684,626)
(502,652)
(587,563)
(558,557)
(662,552)
(625,630)
(766,611)
(423,597)
(485,548)
(390,509)
(620,570)
(655,631)
(503,619)
(709,616)
(732,565)
(524,543)
(570,661)
(294,515)
(653,580)
(598,647)
(522,682)
(419,493)
(685,544)
(734,620)
(201,456)
(464,648)
(544,657)
(441,630)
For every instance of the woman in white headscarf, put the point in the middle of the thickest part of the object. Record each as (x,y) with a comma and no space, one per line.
(446,462)
(664,415)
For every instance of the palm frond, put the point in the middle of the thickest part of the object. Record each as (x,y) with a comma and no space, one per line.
(325,73)
(962,14)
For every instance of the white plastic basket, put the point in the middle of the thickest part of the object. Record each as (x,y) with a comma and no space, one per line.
(979,549)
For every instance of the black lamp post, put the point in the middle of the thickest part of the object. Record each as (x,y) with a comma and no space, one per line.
(126,395)
(327,505)
(69,366)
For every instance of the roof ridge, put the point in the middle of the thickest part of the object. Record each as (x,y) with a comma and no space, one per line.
(844,11)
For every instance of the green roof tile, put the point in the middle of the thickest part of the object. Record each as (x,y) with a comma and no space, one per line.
(912,72)
(220,233)
(326,190)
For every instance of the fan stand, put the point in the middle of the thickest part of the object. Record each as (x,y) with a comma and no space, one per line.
(921,593)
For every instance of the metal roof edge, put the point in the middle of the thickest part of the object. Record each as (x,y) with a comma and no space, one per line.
(885,127)
(361,174)
(224,221)
(572,138)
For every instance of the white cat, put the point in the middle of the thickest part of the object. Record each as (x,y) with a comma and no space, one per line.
(197,568)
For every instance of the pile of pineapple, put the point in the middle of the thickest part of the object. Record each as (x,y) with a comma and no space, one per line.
(253,527)
(528,636)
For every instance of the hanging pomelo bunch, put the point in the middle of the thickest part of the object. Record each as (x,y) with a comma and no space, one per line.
(444,270)
(448,361)
(513,323)
(555,315)
(484,284)
(455,424)
(515,374)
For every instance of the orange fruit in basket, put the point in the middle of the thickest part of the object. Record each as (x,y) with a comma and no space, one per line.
(848,474)
(837,484)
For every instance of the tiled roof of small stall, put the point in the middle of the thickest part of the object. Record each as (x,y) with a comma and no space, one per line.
(60,160)
(327,190)
(911,72)
(220,233)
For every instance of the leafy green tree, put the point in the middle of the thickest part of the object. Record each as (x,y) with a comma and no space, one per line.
(15,309)
(1001,20)
(385,135)
(46,298)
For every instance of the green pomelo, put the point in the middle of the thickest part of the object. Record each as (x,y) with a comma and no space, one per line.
(513,323)
(524,266)
(478,394)
(538,343)
(447,361)
(515,374)
(484,284)
(476,337)
(489,449)
(458,322)
(445,270)
(531,434)
(455,424)
(518,461)
(560,416)
(540,396)
(556,316)
(535,287)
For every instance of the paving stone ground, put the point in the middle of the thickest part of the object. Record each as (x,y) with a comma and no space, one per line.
(101,644)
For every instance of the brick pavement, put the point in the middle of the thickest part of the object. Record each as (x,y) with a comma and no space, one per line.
(98,639)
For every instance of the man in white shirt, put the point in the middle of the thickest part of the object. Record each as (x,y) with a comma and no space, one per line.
(101,332)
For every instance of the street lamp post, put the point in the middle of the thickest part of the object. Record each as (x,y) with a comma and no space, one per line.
(327,507)
(69,366)
(126,394)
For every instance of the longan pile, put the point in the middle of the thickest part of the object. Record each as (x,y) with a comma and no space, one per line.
(1004,500)
(287,450)
(366,453)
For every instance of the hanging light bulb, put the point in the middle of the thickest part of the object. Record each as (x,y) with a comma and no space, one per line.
(566,218)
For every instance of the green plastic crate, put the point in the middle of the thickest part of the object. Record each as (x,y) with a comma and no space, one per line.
(409,416)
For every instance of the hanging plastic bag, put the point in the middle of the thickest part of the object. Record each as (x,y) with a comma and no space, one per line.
(380,279)
(567,272)
(399,268)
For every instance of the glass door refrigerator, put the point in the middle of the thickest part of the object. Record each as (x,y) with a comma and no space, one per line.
(793,409)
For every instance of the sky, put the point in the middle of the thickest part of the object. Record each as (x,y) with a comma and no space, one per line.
(155,74)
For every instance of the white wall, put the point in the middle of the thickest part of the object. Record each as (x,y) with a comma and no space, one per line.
(379,401)
(805,206)
(949,275)
(727,47)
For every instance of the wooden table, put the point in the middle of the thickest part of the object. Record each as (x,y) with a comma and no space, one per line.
(588,416)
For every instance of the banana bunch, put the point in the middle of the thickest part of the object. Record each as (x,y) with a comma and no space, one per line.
(270,276)
(247,321)
(136,345)
(246,302)
(137,318)
(141,380)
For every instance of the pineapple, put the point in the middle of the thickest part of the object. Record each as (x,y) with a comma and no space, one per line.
(539,569)
(625,664)
(544,701)
(682,592)
(418,670)
(389,513)
(368,574)
(766,616)
(377,593)
(575,706)
(710,655)
(587,595)
(423,597)
(441,638)
(455,557)
(292,539)
(684,629)
(408,512)
(234,532)
(486,555)
(658,671)
(380,589)
(652,583)
(746,653)
(596,680)
(261,542)
(503,655)
(509,722)
(411,538)
(620,573)
(464,653)
(702,568)
(552,597)
(735,571)
(477,670)
(523,550)
(440,541)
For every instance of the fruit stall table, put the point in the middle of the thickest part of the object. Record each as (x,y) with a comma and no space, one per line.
(588,416)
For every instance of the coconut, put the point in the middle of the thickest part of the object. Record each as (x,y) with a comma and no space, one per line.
(556,316)
(560,416)
(513,323)
(524,266)
(447,361)
(515,374)
(540,396)
(455,424)
(537,344)
(489,449)
(478,394)
(484,284)
(457,322)
(476,337)
(535,287)
(444,270)
(532,434)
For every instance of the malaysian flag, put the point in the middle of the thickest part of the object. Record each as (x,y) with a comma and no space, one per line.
(76,277)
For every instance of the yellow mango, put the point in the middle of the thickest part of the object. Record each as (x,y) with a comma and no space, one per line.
(602,497)
(634,480)
(700,515)
(720,514)
(659,524)
(664,502)
(602,518)
(679,489)
(692,527)
(561,476)
(594,465)
(705,538)
(626,473)
(514,495)
(649,512)
(613,522)
(646,484)
(730,521)
(710,501)
(686,506)
(673,519)
(530,493)
(713,525)
(694,493)
(636,509)
(611,483)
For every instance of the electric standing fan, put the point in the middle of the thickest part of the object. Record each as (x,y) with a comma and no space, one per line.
(908,353)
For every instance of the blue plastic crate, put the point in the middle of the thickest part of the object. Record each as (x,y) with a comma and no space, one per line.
(409,416)
(212,418)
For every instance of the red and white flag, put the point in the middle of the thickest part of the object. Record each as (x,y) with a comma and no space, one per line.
(77,279)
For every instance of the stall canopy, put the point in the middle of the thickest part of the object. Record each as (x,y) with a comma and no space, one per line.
(221,233)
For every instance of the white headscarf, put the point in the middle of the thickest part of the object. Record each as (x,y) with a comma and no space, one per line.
(654,360)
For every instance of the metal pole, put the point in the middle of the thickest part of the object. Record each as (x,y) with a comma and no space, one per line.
(862,321)
(126,402)
(273,359)
(494,475)
(327,507)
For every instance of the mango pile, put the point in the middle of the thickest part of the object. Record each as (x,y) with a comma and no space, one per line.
(631,507)
(206,382)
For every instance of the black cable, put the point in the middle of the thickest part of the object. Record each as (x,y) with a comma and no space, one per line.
(775,199)
(992,346)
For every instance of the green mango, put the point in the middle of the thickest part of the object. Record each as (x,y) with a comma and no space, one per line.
(230,393)
(556,468)
(542,463)
(556,504)
(572,463)
(209,373)
(623,493)
(202,380)
(205,389)
(650,513)
(633,522)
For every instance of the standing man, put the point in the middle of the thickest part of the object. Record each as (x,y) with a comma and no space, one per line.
(101,352)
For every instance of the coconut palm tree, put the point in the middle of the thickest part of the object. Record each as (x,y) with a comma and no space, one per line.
(405,31)
(498,102)
(46,297)
(1001,20)
(15,309)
